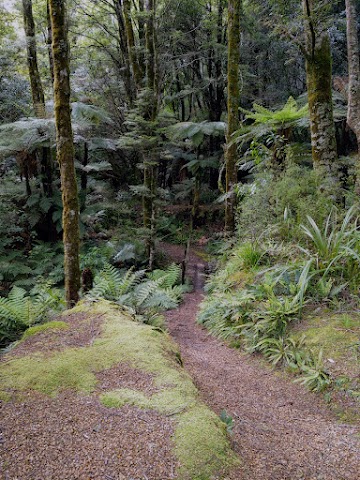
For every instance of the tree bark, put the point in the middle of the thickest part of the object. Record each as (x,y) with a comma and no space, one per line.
(65,151)
(233,94)
(37,91)
(319,87)
(353,113)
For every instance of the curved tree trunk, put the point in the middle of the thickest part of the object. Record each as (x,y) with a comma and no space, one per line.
(233,94)
(353,114)
(319,87)
(65,151)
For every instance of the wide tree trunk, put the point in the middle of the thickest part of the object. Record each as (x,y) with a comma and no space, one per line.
(37,91)
(319,87)
(65,151)
(353,114)
(233,94)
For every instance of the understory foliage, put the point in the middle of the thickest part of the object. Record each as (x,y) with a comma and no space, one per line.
(144,294)
(263,288)
(20,310)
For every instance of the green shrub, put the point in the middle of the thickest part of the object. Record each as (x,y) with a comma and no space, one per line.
(295,192)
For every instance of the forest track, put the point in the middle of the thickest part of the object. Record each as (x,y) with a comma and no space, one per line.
(281,431)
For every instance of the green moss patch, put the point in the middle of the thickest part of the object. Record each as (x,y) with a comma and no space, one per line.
(201,444)
(338,336)
(44,328)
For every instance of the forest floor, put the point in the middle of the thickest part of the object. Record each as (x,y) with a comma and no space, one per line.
(281,431)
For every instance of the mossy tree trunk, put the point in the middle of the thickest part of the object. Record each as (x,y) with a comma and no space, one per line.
(233,94)
(49,41)
(215,95)
(38,99)
(353,114)
(65,151)
(319,86)
(37,91)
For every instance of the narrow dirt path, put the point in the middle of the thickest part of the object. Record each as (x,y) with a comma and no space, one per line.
(281,430)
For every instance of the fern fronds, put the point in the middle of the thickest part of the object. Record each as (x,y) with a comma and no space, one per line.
(111,284)
(145,290)
(18,311)
(167,278)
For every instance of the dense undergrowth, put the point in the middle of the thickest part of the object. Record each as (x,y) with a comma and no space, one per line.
(144,295)
(266,291)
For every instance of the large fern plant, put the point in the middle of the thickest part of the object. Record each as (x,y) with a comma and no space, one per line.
(144,294)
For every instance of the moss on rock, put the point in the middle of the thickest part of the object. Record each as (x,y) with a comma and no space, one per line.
(43,328)
(201,444)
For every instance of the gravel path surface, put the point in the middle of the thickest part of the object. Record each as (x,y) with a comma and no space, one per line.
(281,430)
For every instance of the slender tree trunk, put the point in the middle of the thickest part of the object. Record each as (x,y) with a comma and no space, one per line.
(150,163)
(49,41)
(136,67)
(141,31)
(38,99)
(319,87)
(151,61)
(124,51)
(37,91)
(353,114)
(65,151)
(233,94)
(84,178)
